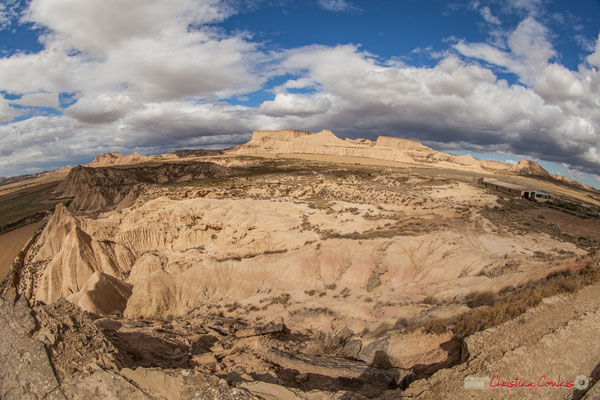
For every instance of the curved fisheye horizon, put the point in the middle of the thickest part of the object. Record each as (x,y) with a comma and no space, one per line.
(493,78)
(311,200)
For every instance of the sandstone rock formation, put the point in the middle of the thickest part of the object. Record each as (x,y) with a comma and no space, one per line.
(95,189)
(102,294)
(56,352)
(384,148)
(112,159)
(527,167)
(25,370)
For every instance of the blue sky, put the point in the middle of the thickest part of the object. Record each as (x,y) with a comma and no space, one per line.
(499,79)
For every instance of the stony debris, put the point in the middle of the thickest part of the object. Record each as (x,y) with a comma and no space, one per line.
(183,384)
(334,368)
(72,339)
(25,370)
(270,328)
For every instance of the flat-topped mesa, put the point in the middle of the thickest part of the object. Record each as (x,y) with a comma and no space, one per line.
(401,143)
(285,135)
(395,149)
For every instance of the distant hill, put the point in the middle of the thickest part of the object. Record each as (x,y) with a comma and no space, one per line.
(197,153)
(384,148)
(573,182)
(528,167)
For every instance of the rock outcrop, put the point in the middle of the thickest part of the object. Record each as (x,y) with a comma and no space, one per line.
(97,189)
(102,294)
(112,159)
(25,370)
(72,256)
(527,167)
(55,352)
(384,148)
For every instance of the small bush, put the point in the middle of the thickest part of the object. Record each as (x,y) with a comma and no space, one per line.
(331,286)
(479,299)
(510,302)
(325,344)
(403,323)
(568,286)
(283,299)
(431,300)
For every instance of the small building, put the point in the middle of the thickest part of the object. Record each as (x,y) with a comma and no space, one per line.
(509,188)
(540,195)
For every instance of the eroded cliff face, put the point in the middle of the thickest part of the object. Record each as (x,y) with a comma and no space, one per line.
(299,275)
(384,148)
(252,239)
(97,189)
(58,352)
(113,159)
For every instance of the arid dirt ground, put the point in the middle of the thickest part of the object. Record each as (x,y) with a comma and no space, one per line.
(12,242)
(308,275)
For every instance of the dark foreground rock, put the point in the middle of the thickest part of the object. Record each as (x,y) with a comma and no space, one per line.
(25,370)
(60,341)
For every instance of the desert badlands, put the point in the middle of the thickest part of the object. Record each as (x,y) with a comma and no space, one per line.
(299,266)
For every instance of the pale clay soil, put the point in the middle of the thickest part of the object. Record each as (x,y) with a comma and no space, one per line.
(319,248)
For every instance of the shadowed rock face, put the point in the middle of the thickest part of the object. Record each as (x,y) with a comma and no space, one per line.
(197,153)
(97,189)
